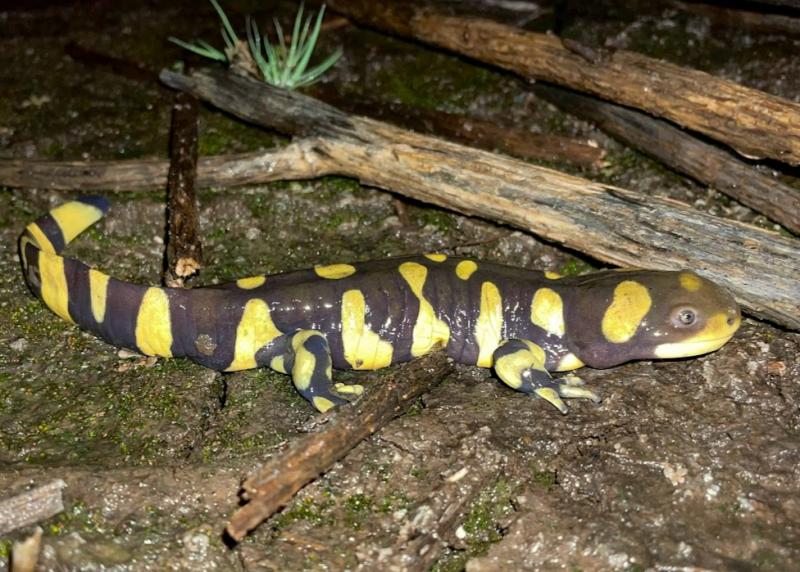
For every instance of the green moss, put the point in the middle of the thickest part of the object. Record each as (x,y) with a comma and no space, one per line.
(309,510)
(431,80)
(418,472)
(574,267)
(439,219)
(480,523)
(545,479)
(221,134)
(53,151)
(395,500)
(5,548)
(356,509)
(340,184)
(76,517)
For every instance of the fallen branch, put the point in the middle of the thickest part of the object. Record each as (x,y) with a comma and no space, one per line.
(289,162)
(684,153)
(184,251)
(31,506)
(275,483)
(609,223)
(472,131)
(754,123)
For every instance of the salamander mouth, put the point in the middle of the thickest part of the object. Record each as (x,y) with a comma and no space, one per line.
(718,330)
(691,348)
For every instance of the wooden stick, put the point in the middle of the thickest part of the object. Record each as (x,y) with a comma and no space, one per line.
(473,131)
(184,251)
(31,506)
(701,161)
(274,484)
(609,223)
(754,123)
(290,162)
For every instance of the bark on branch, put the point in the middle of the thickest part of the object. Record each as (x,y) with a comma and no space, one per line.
(609,223)
(754,123)
(290,162)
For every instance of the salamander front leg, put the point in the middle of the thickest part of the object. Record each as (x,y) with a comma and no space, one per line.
(521,366)
(308,360)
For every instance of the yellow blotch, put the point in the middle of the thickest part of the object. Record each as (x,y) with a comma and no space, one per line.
(547,311)
(153,327)
(251,282)
(429,331)
(304,361)
(568,363)
(630,305)
(98,293)
(465,269)
(255,330)
(489,325)
(436,257)
(54,290)
(690,282)
(552,275)
(40,238)
(363,348)
(335,271)
(75,217)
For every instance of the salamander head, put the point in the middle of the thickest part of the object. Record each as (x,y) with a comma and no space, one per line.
(617,316)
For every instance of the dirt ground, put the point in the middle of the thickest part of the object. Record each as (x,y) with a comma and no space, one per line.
(687,465)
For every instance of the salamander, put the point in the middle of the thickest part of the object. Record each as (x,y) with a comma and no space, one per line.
(524,324)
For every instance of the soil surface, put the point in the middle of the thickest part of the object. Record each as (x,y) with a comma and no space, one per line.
(686,465)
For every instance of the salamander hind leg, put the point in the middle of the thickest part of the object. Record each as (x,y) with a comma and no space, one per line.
(308,360)
(520,364)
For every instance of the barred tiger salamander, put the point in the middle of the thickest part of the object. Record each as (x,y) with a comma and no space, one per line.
(368,315)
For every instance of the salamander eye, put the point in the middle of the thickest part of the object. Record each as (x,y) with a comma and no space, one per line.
(685,317)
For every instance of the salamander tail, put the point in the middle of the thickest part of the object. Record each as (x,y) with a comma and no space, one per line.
(53,231)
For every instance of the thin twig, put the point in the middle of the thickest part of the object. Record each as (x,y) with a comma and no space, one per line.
(184,251)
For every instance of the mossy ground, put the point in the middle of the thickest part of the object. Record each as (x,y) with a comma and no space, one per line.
(686,464)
